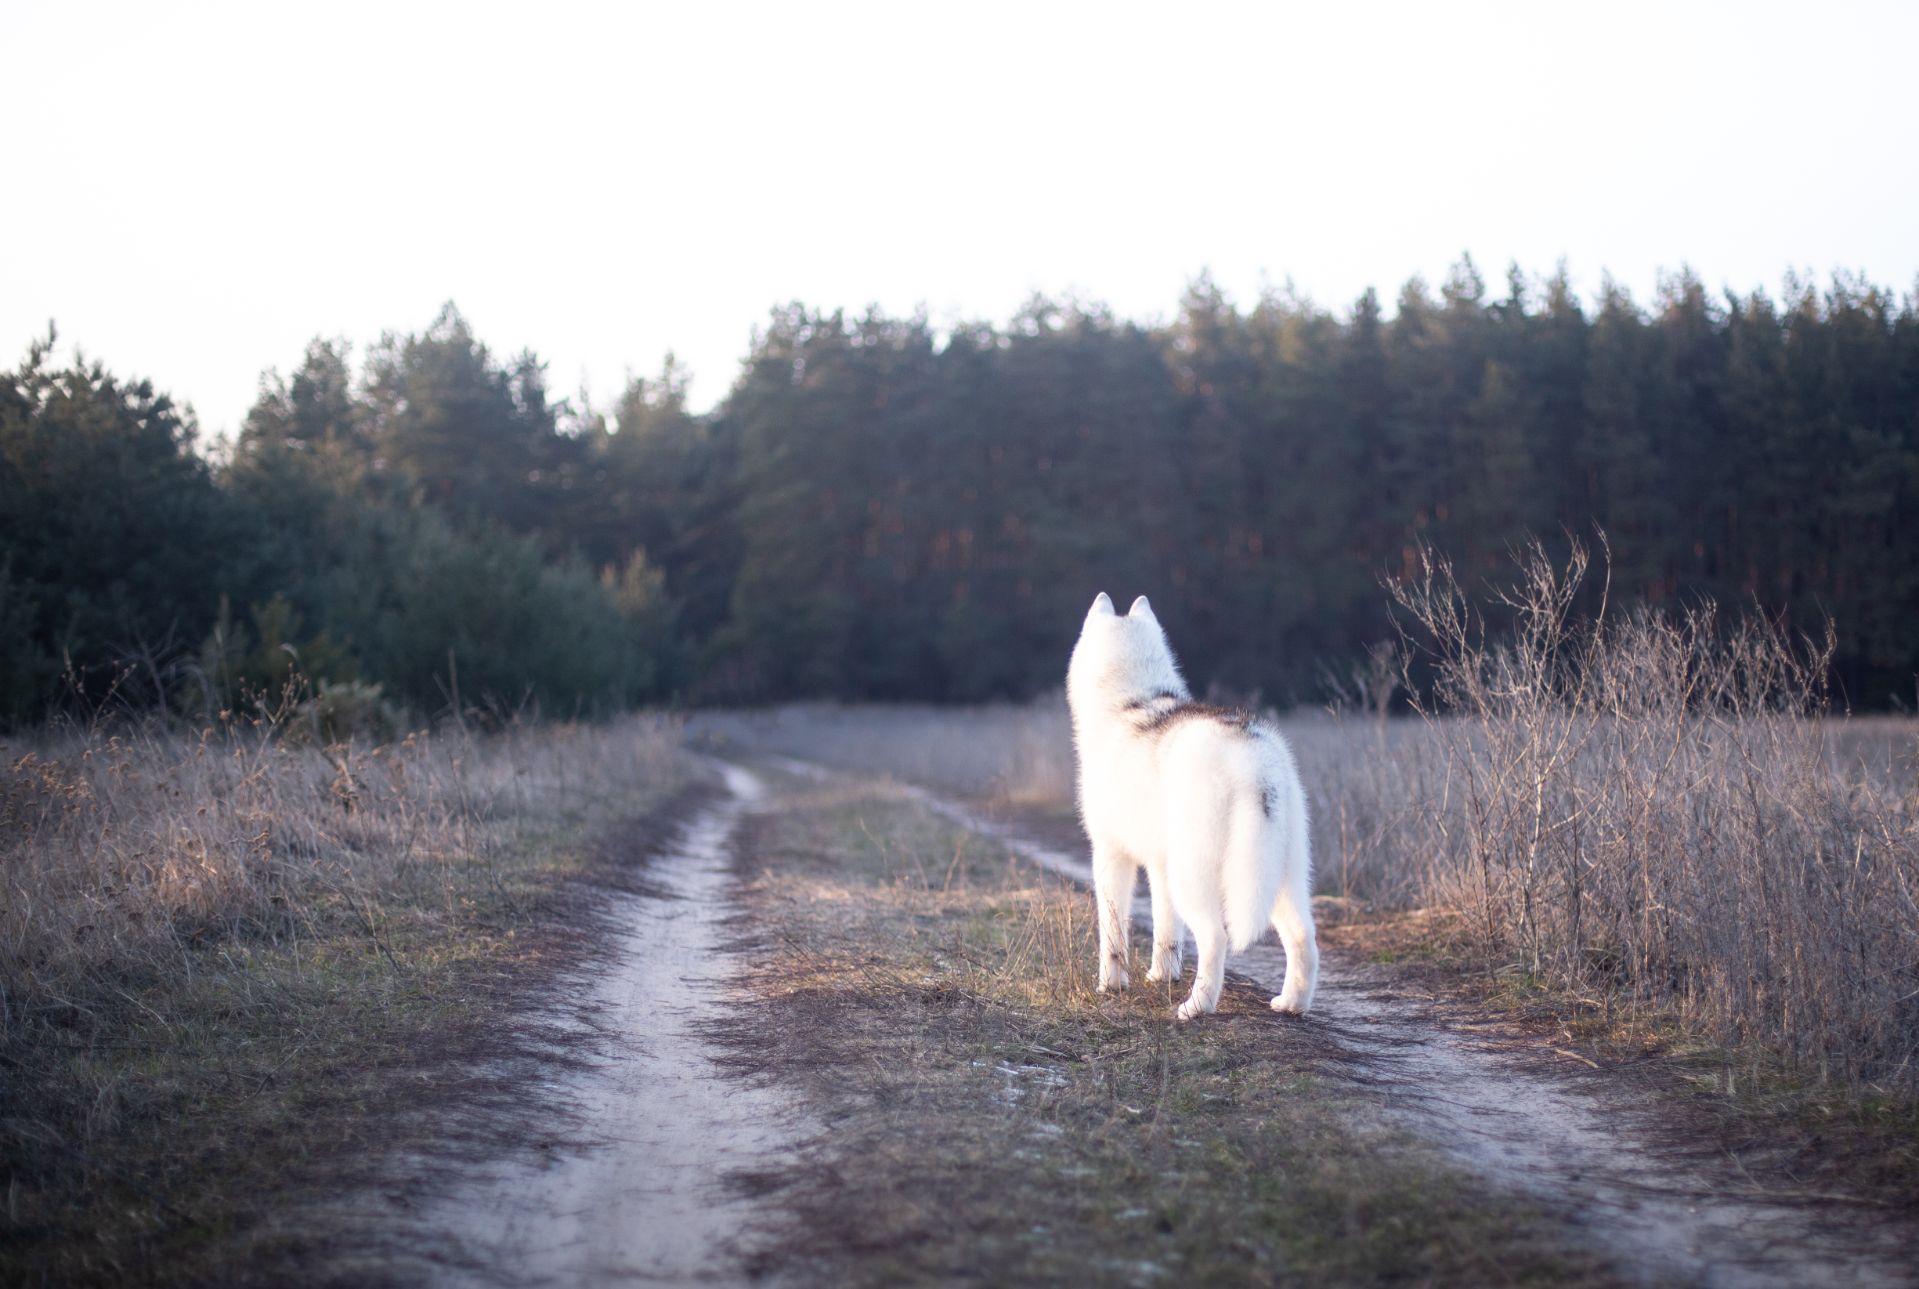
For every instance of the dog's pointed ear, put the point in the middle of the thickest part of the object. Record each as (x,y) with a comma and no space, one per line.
(1141,609)
(1102,607)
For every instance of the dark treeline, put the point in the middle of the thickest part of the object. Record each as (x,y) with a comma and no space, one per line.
(880,510)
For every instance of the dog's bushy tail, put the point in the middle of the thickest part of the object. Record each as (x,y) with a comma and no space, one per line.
(1253,865)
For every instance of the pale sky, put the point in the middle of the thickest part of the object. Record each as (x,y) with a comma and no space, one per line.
(194,191)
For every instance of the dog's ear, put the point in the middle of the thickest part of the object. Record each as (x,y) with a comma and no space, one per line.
(1141,609)
(1102,607)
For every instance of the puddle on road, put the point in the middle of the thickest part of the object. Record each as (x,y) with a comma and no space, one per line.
(648,1199)
(1593,1155)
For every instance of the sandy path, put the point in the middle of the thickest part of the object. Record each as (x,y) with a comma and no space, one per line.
(1584,1147)
(647,1200)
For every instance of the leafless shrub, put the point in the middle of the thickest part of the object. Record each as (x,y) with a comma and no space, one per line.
(1650,808)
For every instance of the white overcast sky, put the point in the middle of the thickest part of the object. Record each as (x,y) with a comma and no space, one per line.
(193,191)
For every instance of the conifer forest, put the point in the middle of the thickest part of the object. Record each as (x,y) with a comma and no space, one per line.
(879,508)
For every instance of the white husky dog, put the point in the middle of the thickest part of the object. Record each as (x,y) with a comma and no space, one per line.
(1205,799)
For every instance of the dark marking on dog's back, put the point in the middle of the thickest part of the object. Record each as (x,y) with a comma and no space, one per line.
(1152,699)
(1268,799)
(1237,719)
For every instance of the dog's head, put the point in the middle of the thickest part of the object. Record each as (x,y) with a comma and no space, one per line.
(1121,658)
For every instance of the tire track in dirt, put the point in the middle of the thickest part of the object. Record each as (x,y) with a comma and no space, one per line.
(1595,1153)
(647,1197)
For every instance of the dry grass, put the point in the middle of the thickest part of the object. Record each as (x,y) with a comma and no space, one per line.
(995,1120)
(227,962)
(1653,810)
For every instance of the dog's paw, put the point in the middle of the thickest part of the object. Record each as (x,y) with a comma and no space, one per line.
(1292,1002)
(1190,1008)
(1113,979)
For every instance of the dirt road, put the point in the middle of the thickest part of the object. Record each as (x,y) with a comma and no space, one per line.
(643,1194)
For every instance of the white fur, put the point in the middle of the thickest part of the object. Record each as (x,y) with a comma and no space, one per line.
(1211,808)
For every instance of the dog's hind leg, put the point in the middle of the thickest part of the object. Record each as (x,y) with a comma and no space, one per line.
(1113,873)
(1293,919)
(1209,971)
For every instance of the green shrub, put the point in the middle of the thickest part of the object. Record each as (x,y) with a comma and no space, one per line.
(479,621)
